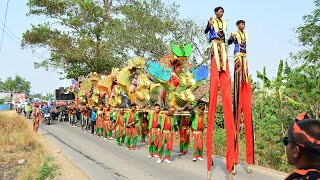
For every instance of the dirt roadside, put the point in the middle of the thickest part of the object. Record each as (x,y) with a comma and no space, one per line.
(67,170)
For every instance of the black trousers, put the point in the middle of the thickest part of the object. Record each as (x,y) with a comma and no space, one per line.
(52,115)
(93,125)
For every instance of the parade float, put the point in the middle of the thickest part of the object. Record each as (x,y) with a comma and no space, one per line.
(172,79)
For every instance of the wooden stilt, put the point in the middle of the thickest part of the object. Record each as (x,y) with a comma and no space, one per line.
(248,168)
(209,175)
(230,176)
(234,169)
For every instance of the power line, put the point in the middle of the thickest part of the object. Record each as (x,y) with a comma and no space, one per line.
(4,24)
(15,38)
(17,41)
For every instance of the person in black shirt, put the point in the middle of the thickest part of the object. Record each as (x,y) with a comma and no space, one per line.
(303,148)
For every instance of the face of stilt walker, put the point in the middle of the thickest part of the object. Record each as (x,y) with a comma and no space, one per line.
(242,26)
(219,13)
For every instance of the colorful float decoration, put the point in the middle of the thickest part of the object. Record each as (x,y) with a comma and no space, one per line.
(173,75)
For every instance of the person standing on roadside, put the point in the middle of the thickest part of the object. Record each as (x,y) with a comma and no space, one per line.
(36,117)
(52,111)
(93,118)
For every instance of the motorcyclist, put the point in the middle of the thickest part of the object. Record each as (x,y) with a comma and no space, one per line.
(19,106)
(28,110)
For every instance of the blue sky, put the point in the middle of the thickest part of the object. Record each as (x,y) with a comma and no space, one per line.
(269,24)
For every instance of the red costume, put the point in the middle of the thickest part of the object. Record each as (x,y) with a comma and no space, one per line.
(220,74)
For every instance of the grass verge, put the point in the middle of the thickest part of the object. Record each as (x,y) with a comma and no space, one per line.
(22,156)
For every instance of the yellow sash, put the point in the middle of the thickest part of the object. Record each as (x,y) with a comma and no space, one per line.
(214,46)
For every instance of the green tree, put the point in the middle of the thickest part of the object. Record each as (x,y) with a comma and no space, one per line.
(16,84)
(304,79)
(37,95)
(84,36)
(193,33)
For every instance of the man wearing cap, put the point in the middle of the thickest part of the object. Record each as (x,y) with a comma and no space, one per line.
(303,148)
(36,117)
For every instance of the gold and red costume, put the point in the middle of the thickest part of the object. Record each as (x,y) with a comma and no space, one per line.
(107,125)
(242,95)
(220,74)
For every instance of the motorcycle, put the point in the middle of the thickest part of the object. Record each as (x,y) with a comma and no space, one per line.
(47,118)
(19,111)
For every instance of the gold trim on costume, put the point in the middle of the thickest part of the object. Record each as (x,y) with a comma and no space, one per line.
(241,58)
(197,132)
(219,50)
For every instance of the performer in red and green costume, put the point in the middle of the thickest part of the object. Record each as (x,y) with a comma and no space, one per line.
(119,121)
(143,124)
(107,123)
(83,119)
(242,92)
(168,124)
(72,115)
(87,117)
(131,118)
(154,131)
(184,130)
(198,124)
(220,73)
(99,121)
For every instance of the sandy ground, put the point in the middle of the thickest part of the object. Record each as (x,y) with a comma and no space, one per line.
(67,170)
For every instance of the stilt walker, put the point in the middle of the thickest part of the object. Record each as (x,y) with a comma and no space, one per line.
(219,74)
(242,93)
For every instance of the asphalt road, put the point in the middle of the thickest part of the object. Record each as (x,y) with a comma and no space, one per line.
(103,159)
